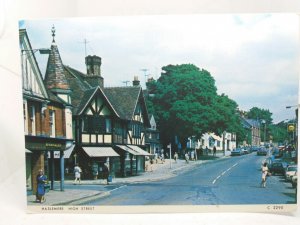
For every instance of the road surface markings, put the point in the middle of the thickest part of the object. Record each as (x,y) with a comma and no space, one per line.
(218,177)
(117,188)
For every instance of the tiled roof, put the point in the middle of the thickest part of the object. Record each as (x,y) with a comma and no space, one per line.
(55,77)
(250,123)
(80,89)
(123,99)
(253,123)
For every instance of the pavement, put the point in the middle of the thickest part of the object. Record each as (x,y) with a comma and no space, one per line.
(157,172)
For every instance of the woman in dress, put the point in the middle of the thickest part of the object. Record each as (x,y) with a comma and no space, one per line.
(41,179)
(264,171)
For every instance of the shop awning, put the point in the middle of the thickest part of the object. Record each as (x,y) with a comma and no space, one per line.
(27,151)
(100,152)
(127,149)
(139,150)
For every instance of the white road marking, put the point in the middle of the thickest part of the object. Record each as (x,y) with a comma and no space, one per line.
(117,188)
(218,177)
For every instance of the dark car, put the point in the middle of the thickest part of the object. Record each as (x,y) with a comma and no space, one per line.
(254,149)
(277,153)
(278,167)
(236,151)
(262,151)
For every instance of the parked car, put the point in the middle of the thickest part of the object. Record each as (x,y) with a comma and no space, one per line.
(295,180)
(236,151)
(245,151)
(254,149)
(262,151)
(290,172)
(278,167)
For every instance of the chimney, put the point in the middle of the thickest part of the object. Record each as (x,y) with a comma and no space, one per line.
(93,70)
(93,65)
(136,81)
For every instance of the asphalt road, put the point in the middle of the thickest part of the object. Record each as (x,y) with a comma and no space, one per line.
(233,180)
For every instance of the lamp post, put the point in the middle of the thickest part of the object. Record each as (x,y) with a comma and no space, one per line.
(295,129)
(265,126)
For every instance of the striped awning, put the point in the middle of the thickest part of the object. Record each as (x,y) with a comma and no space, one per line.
(127,149)
(139,150)
(100,151)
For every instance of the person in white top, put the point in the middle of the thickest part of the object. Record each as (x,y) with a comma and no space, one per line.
(77,171)
(264,174)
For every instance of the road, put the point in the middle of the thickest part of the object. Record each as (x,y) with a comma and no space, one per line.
(233,180)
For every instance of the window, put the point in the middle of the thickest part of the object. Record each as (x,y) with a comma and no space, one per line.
(96,124)
(24,111)
(136,130)
(108,125)
(32,118)
(52,123)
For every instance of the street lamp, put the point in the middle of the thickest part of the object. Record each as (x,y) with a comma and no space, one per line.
(264,122)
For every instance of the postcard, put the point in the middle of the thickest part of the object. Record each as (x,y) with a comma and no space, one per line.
(185,113)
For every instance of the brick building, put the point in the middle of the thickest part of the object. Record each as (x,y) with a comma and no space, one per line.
(47,116)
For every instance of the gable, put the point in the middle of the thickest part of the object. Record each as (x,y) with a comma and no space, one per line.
(140,112)
(96,103)
(32,81)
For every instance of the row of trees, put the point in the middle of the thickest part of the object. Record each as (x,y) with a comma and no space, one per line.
(185,103)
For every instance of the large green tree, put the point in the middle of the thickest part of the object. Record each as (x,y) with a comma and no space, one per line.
(186,103)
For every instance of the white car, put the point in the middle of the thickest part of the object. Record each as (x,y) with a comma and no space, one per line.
(290,172)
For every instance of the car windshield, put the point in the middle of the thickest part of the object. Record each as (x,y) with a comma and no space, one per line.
(292,168)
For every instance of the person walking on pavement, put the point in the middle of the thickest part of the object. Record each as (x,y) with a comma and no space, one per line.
(175,157)
(206,150)
(214,151)
(106,173)
(41,180)
(186,158)
(77,172)
(264,171)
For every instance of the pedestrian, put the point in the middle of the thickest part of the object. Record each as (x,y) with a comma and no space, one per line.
(106,173)
(175,157)
(151,164)
(41,180)
(77,172)
(186,158)
(206,150)
(192,155)
(264,171)
(162,157)
(214,151)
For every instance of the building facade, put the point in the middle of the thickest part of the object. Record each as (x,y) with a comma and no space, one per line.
(47,119)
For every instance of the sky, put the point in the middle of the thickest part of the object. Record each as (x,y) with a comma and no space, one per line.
(254,58)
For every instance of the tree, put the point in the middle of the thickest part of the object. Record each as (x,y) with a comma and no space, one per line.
(260,114)
(186,103)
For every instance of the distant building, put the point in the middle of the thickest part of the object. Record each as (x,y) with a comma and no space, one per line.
(152,137)
(253,131)
(226,141)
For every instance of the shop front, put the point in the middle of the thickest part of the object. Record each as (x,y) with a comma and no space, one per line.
(39,147)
